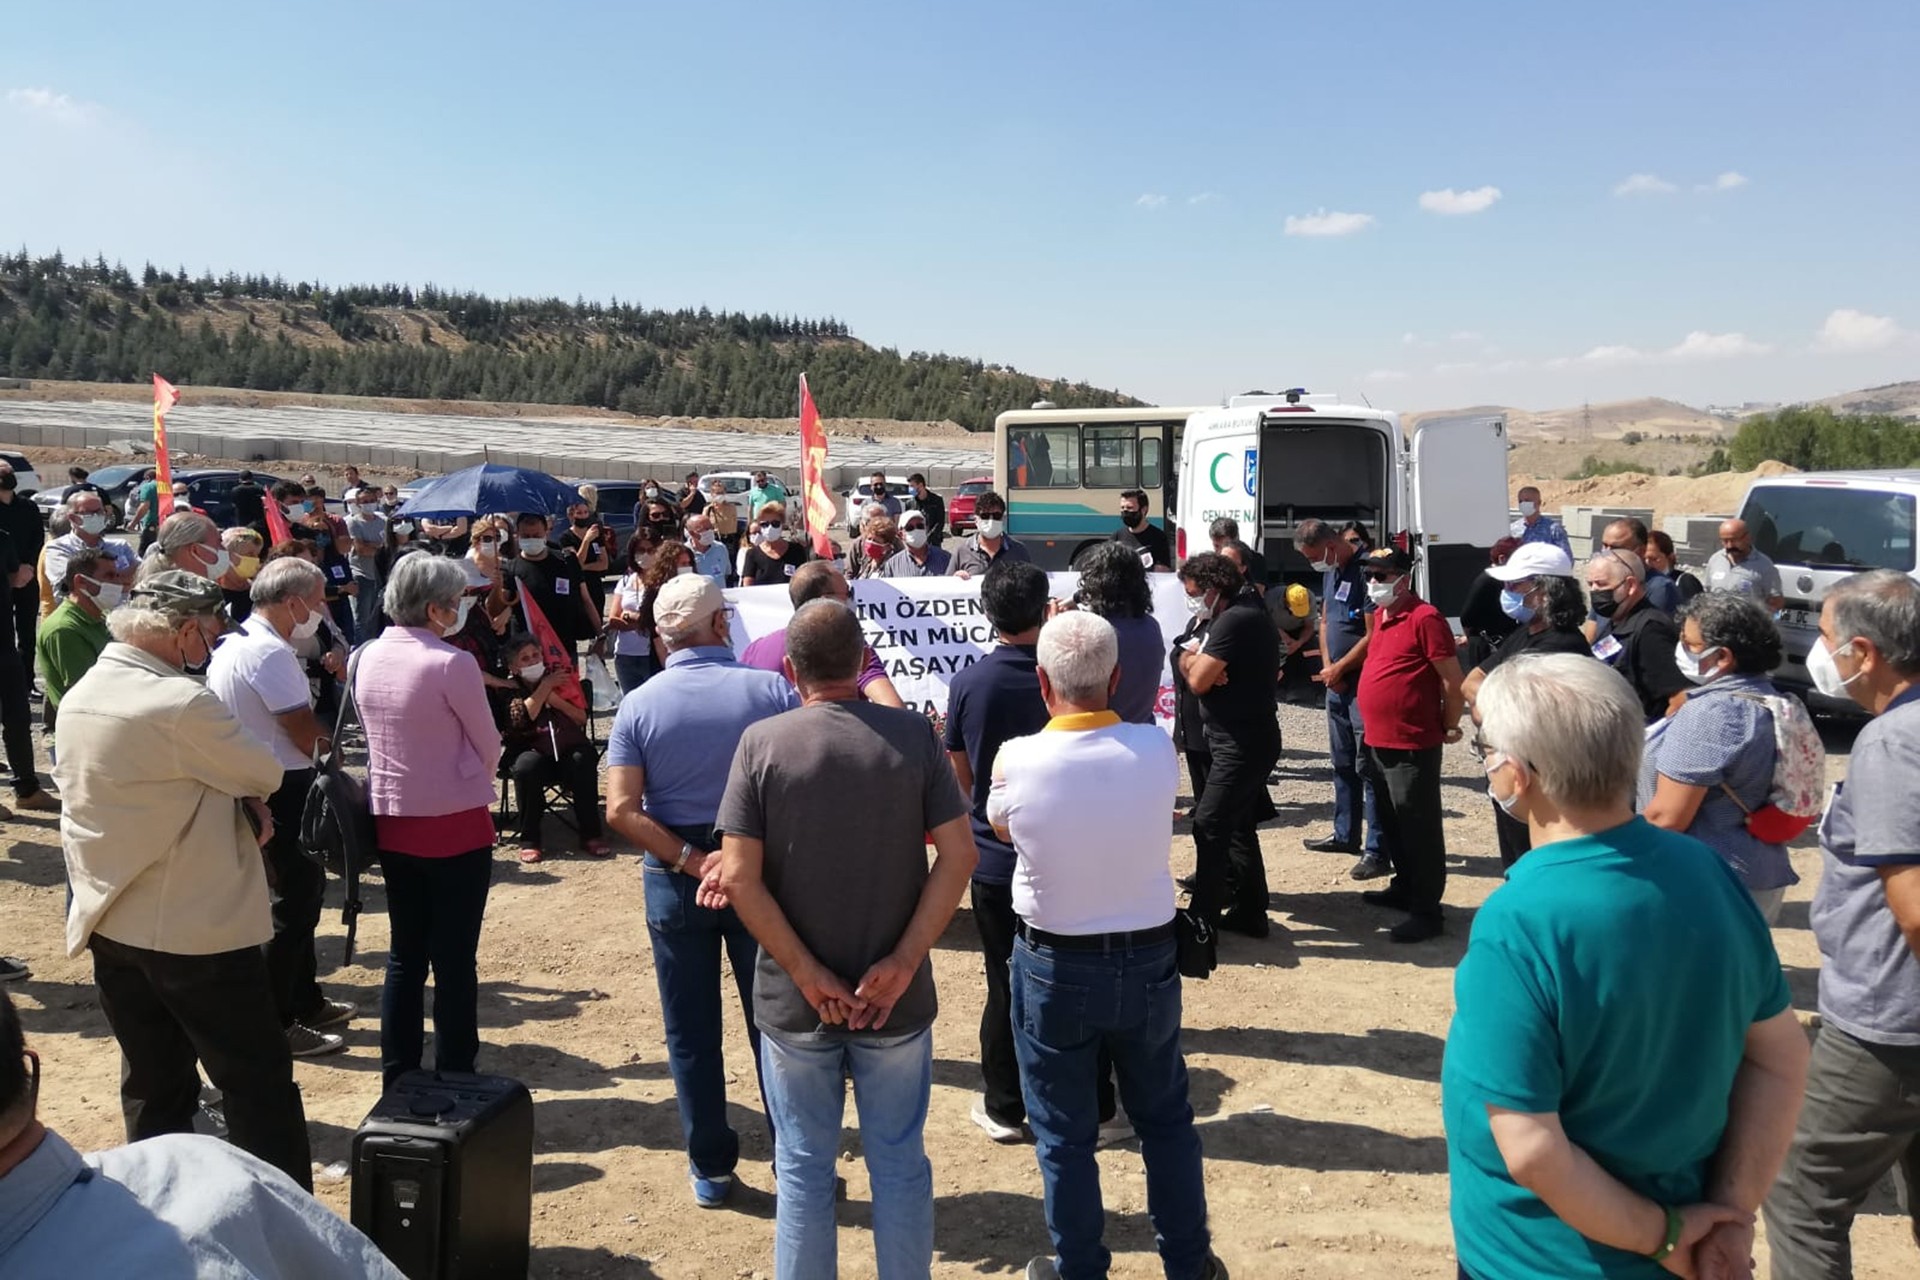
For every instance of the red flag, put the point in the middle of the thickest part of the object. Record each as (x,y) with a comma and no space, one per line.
(278,531)
(164,398)
(816,501)
(557,656)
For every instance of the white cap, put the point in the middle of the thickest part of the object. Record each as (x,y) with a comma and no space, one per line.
(687,598)
(1535,560)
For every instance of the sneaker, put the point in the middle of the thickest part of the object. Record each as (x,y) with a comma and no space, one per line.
(12,970)
(305,1042)
(37,802)
(1330,844)
(710,1192)
(1005,1134)
(329,1013)
(1370,868)
(1042,1269)
(1115,1131)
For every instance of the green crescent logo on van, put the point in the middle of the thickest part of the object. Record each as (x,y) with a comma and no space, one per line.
(1213,472)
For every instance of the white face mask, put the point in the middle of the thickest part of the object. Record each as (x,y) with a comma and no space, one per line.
(1529,508)
(702,541)
(1691,664)
(460,618)
(916,538)
(683,571)
(533,548)
(1383,593)
(93,524)
(1322,566)
(1200,606)
(1826,675)
(403,527)
(222,562)
(992,528)
(309,627)
(533,672)
(106,594)
(652,492)
(1506,802)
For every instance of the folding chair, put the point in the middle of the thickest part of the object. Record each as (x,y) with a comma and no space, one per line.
(558,795)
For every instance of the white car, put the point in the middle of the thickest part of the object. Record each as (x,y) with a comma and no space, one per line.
(861,494)
(26,481)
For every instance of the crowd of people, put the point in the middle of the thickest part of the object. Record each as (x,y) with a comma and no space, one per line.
(1625,1085)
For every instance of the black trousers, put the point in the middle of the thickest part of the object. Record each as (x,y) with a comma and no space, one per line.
(170,1011)
(26,621)
(16,711)
(1229,873)
(1407,783)
(578,769)
(1515,838)
(299,888)
(435,907)
(1198,764)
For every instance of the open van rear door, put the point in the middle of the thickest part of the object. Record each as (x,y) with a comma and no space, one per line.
(1457,483)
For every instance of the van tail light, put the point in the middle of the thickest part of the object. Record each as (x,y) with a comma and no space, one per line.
(1180,544)
(1403,540)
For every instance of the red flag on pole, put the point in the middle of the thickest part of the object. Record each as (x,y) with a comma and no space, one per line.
(817,501)
(164,398)
(278,530)
(557,656)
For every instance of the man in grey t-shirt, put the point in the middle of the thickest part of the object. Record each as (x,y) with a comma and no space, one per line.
(367,538)
(1737,568)
(1860,1118)
(824,827)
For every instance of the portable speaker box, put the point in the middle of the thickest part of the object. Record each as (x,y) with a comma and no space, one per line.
(443,1176)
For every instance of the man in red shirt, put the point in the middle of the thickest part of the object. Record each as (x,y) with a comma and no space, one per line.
(1410,703)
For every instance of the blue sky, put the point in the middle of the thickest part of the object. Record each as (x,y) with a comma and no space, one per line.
(1522,203)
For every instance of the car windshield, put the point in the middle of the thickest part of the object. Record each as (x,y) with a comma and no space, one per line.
(108,477)
(1832,526)
(973,488)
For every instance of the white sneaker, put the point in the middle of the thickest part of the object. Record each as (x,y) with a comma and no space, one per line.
(1001,1133)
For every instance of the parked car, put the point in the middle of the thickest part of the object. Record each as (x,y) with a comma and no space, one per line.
(26,481)
(960,505)
(116,484)
(211,490)
(857,497)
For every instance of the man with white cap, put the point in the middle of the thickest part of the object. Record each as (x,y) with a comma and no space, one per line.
(672,745)
(919,558)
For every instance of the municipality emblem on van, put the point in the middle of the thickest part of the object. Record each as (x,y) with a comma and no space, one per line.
(1253,470)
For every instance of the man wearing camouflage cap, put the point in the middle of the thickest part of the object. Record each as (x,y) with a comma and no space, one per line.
(169,886)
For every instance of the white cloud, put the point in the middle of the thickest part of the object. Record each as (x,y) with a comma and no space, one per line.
(1323,223)
(1447,368)
(1454,203)
(49,105)
(1205,197)
(1506,366)
(1645,184)
(1467,335)
(1849,330)
(1701,345)
(1408,338)
(1728,181)
(1612,354)
(1151,201)
(1386,375)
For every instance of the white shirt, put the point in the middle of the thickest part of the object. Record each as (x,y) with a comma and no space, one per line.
(634,643)
(1089,801)
(258,677)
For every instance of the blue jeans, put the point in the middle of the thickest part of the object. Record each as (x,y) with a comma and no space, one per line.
(434,909)
(1068,1006)
(366,606)
(631,670)
(1343,737)
(805,1087)
(687,939)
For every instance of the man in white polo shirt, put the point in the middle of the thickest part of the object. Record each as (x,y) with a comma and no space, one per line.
(1086,804)
(257,676)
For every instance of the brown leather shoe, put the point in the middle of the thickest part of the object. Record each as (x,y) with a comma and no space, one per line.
(37,802)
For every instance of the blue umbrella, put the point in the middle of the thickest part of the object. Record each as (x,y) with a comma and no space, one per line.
(487,488)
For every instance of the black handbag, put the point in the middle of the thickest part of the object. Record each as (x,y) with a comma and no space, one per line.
(336,824)
(1196,944)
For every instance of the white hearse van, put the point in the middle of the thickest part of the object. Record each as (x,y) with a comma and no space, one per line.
(1272,462)
(1819,527)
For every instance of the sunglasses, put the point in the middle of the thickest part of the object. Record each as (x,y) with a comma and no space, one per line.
(1383,575)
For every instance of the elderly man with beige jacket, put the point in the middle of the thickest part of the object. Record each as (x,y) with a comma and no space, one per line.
(169,886)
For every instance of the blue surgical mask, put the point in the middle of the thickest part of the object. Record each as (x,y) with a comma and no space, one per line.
(1514,605)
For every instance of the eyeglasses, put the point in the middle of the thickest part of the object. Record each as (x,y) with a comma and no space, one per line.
(1382,575)
(1479,745)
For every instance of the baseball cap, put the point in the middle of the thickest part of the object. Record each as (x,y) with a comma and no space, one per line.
(1535,560)
(1391,559)
(1299,601)
(686,599)
(182,594)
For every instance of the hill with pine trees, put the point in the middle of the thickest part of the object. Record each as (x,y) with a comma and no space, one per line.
(94,322)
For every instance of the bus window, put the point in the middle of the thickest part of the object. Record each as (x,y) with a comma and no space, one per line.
(1150,478)
(1044,458)
(1110,456)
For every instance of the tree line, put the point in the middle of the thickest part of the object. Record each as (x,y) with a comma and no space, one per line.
(92,321)
(1815,438)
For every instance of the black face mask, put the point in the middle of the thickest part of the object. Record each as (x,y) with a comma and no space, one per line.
(9,481)
(582,522)
(1605,603)
(1131,519)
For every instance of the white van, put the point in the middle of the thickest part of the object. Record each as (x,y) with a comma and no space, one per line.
(1272,462)
(1818,527)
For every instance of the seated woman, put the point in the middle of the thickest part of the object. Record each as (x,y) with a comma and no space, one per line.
(546,743)
(1712,764)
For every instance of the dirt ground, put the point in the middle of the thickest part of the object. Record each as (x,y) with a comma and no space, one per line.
(1314,1055)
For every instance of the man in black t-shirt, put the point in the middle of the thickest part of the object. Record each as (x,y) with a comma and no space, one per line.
(1232,671)
(1140,534)
(552,576)
(932,505)
(249,503)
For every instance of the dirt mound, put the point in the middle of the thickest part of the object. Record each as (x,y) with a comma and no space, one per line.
(1668,495)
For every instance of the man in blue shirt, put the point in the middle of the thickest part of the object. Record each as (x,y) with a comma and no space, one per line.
(1343,648)
(1534,527)
(1861,1116)
(995,700)
(671,747)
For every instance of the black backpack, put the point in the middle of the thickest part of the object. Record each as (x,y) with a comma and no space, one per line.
(336,826)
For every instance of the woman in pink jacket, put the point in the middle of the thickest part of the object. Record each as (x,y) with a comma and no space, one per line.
(432,750)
